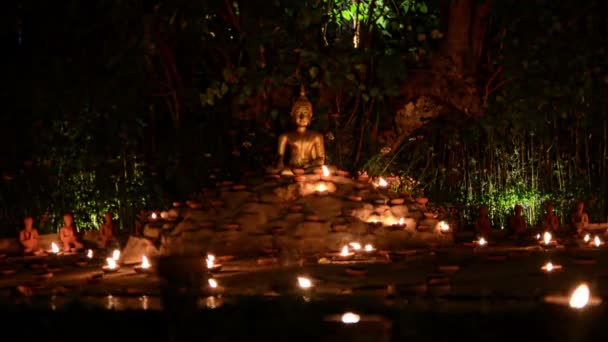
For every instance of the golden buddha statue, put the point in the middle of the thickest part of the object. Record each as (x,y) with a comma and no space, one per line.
(306,147)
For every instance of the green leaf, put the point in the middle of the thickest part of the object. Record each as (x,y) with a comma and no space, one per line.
(346,15)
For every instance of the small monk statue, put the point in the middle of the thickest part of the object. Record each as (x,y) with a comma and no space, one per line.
(28,237)
(483,226)
(580,219)
(106,233)
(550,221)
(306,147)
(517,222)
(67,234)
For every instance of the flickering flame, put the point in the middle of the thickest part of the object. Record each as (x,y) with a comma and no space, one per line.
(547,238)
(587,237)
(369,247)
(210,260)
(212,283)
(596,241)
(355,245)
(443,226)
(325,171)
(350,318)
(580,297)
(145,264)
(111,263)
(382,182)
(154,216)
(549,267)
(304,282)
(482,241)
(537,236)
(401,221)
(321,187)
(54,248)
(116,255)
(344,252)
(90,254)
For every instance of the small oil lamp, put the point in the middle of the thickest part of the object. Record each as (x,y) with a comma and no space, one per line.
(144,267)
(481,242)
(596,241)
(325,172)
(345,252)
(90,254)
(382,183)
(369,248)
(350,318)
(401,222)
(211,265)
(547,238)
(111,266)
(212,283)
(116,255)
(587,238)
(537,236)
(154,216)
(579,299)
(321,189)
(304,283)
(443,226)
(550,267)
(355,246)
(54,248)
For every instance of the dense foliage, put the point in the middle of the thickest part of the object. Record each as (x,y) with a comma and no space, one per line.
(122,105)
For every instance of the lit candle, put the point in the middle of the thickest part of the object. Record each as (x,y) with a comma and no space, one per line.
(350,318)
(325,171)
(355,245)
(579,299)
(212,283)
(369,248)
(111,263)
(54,248)
(90,254)
(321,188)
(443,226)
(596,241)
(550,267)
(154,216)
(210,260)
(116,255)
(537,236)
(401,222)
(482,241)
(382,183)
(587,237)
(345,252)
(145,264)
(547,238)
(304,283)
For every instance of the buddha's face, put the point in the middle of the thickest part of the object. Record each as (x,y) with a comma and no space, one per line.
(302,116)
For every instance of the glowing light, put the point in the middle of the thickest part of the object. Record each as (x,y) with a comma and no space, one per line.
(304,282)
(212,283)
(210,261)
(111,263)
(537,236)
(145,264)
(116,255)
(580,297)
(382,182)
(482,241)
(355,245)
(547,238)
(548,267)
(54,248)
(401,222)
(154,216)
(321,187)
(369,248)
(325,171)
(443,226)
(587,237)
(350,318)
(90,254)
(596,241)
(344,252)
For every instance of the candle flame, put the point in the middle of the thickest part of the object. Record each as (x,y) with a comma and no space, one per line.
(537,236)
(344,251)
(116,255)
(145,264)
(304,282)
(382,182)
(111,263)
(355,245)
(321,187)
(90,254)
(54,248)
(482,241)
(369,247)
(587,237)
(443,226)
(547,238)
(210,261)
(401,221)
(154,216)
(580,297)
(596,241)
(549,267)
(350,318)
(325,171)
(212,283)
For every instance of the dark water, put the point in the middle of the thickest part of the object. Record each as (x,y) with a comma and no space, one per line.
(299,319)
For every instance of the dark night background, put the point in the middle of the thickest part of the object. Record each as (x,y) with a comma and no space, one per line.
(124,105)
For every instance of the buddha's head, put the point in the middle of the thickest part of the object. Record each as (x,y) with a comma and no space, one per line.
(301,111)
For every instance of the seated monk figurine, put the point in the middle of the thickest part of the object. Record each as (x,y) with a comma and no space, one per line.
(28,237)
(580,219)
(306,147)
(517,223)
(482,224)
(67,234)
(106,233)
(550,221)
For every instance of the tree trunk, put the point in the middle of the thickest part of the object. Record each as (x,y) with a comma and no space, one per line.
(448,85)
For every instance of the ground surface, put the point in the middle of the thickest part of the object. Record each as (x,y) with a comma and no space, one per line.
(397,296)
